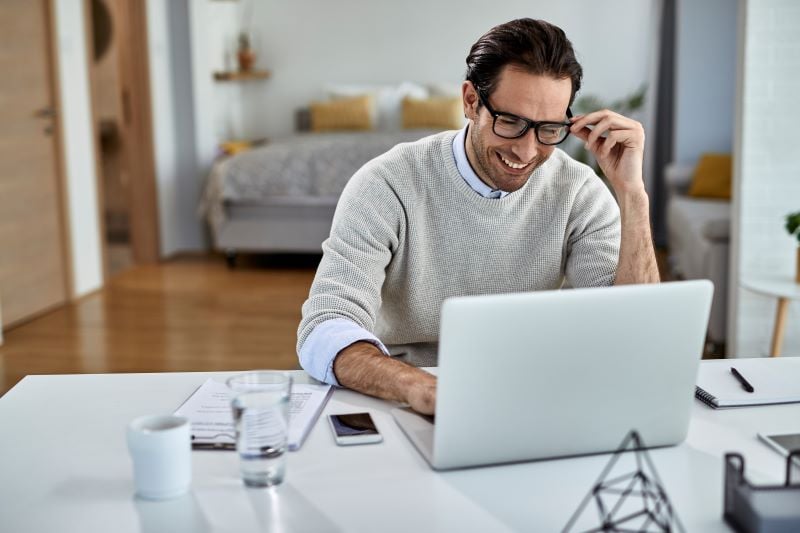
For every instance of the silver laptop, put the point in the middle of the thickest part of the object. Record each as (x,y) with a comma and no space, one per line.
(560,373)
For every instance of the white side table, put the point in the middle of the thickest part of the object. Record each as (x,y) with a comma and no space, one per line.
(784,288)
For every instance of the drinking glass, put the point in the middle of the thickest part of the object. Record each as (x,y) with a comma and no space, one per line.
(260,404)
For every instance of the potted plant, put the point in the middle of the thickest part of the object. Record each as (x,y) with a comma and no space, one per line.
(793,227)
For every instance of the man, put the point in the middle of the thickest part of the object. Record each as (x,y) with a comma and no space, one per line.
(493,208)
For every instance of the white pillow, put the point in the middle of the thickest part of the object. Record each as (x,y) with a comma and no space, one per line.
(388,99)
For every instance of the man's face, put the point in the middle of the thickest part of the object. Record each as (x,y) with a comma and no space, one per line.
(506,164)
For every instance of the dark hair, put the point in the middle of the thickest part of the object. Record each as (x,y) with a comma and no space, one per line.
(532,45)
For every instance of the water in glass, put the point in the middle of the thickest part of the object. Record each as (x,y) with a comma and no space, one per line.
(261,418)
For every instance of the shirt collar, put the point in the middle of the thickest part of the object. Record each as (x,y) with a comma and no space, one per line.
(466,170)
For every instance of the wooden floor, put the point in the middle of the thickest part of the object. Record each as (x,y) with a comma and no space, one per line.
(190,314)
(184,315)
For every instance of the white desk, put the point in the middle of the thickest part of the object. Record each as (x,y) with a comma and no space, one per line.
(64,466)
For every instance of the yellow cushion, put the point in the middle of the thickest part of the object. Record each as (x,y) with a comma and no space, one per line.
(235,147)
(712,177)
(443,112)
(343,114)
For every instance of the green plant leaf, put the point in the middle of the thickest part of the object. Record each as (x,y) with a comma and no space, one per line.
(793,224)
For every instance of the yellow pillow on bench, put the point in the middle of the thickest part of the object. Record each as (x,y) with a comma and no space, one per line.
(445,113)
(712,177)
(343,114)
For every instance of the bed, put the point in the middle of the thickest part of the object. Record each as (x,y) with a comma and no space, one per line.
(280,197)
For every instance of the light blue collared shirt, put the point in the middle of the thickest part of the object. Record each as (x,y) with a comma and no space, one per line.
(329,338)
(466,170)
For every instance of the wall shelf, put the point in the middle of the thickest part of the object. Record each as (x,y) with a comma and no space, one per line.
(236,75)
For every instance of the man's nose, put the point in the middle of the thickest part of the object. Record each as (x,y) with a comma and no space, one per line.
(527,147)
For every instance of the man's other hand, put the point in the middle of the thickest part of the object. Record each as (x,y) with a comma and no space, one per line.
(422,396)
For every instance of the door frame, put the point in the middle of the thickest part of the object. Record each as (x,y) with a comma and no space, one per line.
(137,132)
(58,146)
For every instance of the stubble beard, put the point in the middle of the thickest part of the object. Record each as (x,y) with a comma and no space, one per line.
(505,182)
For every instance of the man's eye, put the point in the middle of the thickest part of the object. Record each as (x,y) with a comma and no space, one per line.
(507,121)
(552,131)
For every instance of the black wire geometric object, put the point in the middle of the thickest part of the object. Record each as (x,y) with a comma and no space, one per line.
(632,500)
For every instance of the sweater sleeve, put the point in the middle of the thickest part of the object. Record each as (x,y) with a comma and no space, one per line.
(593,237)
(325,342)
(367,228)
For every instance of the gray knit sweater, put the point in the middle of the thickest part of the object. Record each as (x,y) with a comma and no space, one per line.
(409,232)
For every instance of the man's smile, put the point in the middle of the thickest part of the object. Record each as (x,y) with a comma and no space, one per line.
(512,165)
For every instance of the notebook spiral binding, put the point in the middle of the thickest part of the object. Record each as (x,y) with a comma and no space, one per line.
(708,399)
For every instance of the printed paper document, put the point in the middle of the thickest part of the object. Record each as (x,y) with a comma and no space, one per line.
(209,411)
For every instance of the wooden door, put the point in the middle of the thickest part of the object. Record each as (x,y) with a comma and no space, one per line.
(33,275)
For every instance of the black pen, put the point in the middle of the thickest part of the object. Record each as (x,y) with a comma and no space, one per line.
(740,378)
(213,446)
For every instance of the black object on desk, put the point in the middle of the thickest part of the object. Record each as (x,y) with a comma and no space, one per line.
(749,508)
(740,378)
(198,444)
(648,507)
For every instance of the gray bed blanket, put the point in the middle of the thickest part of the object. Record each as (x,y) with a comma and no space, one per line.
(306,167)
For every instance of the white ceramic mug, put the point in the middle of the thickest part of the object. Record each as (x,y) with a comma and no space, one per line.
(161,450)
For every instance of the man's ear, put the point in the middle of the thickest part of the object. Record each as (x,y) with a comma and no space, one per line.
(469,97)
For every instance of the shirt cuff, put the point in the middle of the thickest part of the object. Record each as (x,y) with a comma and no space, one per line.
(325,342)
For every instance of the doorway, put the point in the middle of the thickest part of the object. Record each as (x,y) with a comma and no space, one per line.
(119,77)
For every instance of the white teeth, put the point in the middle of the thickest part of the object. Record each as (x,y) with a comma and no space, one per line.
(516,166)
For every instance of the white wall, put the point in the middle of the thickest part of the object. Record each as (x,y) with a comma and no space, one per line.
(79,161)
(705,74)
(307,44)
(767,172)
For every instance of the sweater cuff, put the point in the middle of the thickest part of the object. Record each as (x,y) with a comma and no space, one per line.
(325,342)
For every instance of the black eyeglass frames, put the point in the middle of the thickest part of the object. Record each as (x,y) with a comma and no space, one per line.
(509,126)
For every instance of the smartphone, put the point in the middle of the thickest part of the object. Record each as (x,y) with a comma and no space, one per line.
(354,428)
(783,443)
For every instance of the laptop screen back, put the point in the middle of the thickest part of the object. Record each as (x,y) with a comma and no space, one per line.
(558,373)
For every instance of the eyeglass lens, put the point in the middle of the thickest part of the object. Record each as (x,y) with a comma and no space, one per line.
(512,127)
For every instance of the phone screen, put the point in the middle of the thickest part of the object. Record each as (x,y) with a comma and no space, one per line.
(787,442)
(353,424)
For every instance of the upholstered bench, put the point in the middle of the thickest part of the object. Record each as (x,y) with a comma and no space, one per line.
(698,231)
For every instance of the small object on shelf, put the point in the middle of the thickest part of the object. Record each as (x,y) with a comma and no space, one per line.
(245,54)
(242,76)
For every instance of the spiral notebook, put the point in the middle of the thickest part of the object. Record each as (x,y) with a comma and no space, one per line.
(774,380)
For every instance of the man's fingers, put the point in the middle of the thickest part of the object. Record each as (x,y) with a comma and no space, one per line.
(599,129)
(617,121)
(582,134)
(422,397)
(605,148)
(591,119)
